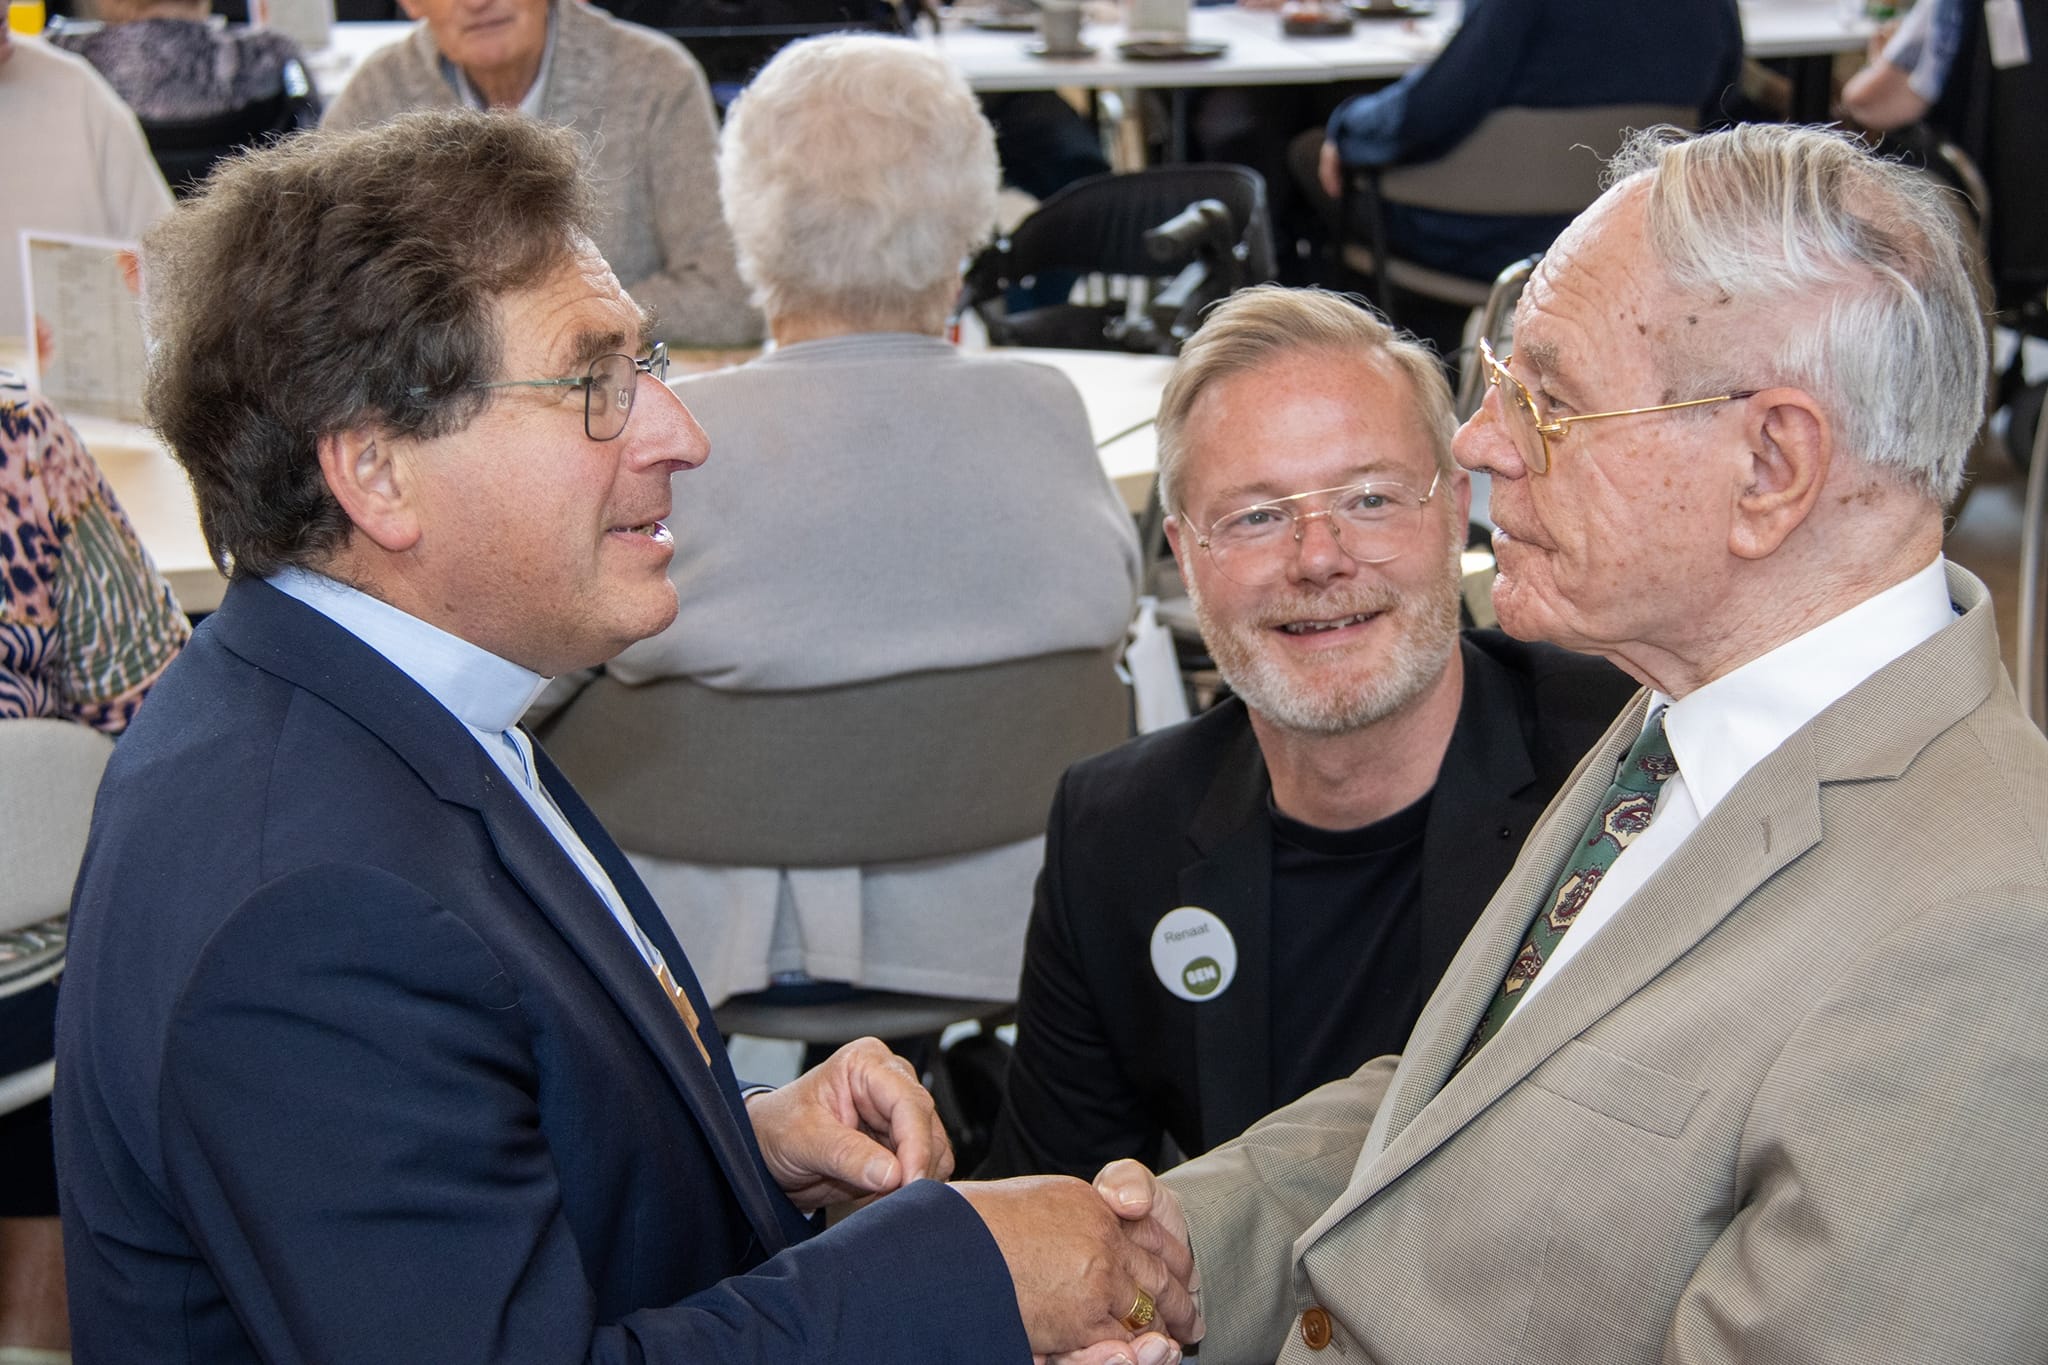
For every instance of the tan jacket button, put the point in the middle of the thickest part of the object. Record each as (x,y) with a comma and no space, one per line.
(1315,1329)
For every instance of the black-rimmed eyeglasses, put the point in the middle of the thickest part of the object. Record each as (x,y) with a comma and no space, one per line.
(610,383)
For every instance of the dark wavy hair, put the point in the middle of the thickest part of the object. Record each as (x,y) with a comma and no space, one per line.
(336,280)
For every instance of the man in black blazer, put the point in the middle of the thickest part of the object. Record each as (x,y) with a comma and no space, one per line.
(1246,906)
(373,1048)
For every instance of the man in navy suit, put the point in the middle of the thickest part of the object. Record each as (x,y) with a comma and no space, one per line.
(372,1046)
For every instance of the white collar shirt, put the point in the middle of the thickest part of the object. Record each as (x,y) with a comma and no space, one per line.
(485,692)
(1722,730)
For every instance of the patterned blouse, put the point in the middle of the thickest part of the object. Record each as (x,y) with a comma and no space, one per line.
(86,625)
(170,69)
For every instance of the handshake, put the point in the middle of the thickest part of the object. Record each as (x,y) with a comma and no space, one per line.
(1103,1274)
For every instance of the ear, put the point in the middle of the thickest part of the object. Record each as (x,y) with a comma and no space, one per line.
(370,482)
(1461,500)
(1790,446)
(1174,534)
(411,8)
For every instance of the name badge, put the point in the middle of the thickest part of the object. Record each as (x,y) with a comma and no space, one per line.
(1193,954)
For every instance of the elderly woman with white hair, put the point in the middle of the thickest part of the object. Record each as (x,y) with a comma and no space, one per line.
(876,503)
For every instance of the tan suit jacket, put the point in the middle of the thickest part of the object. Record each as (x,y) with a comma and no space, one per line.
(1787,1106)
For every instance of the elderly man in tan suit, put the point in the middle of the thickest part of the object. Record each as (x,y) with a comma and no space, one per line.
(1748,1058)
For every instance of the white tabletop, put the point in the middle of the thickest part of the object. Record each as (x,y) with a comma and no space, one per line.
(1258,53)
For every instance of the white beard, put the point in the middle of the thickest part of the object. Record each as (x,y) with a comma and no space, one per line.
(1329,695)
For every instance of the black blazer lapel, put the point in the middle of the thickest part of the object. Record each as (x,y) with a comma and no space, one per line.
(1482,807)
(1232,879)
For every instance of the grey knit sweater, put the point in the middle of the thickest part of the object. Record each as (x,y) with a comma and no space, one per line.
(643,104)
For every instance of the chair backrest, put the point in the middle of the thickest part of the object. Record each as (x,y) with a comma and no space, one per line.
(1098,224)
(913,766)
(49,774)
(186,150)
(733,39)
(1528,161)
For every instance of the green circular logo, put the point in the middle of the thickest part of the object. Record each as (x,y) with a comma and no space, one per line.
(1201,976)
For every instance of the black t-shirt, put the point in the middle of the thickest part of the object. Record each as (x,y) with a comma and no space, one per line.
(1348,975)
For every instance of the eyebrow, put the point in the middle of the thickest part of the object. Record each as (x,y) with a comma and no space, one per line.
(1241,495)
(594,342)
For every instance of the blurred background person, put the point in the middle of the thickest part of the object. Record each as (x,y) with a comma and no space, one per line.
(1908,67)
(76,162)
(878,501)
(85,628)
(1509,53)
(636,96)
(168,62)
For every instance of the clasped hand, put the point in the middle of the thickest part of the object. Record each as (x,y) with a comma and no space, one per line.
(857,1124)
(1078,1257)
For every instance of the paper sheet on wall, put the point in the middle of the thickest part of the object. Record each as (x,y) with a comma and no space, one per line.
(80,288)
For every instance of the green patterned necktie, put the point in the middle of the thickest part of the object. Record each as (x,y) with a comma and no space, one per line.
(1626,812)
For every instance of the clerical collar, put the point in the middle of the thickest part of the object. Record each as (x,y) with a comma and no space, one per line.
(482,690)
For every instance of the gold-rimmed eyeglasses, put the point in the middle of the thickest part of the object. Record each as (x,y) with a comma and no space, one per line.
(1372,521)
(1527,427)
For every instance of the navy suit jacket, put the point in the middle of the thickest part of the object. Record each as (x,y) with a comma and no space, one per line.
(1108,1064)
(355,1066)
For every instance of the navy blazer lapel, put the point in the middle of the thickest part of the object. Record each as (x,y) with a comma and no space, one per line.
(305,648)
(1231,878)
(554,882)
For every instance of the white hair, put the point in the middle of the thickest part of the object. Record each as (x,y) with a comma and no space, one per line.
(857,172)
(1851,269)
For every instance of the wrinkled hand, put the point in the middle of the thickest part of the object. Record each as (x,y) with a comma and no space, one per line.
(1150,1349)
(1078,1267)
(859,1124)
(1330,171)
(1133,1194)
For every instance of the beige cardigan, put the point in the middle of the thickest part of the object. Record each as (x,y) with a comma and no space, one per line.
(642,102)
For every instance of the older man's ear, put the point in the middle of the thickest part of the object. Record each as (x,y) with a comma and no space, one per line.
(366,476)
(1790,449)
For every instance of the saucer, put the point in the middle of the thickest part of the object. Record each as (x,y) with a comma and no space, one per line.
(1400,9)
(1167,50)
(1065,54)
(996,21)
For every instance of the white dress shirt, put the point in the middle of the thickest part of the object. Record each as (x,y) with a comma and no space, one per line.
(1727,727)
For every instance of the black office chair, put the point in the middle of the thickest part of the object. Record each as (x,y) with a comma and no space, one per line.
(1518,161)
(1166,242)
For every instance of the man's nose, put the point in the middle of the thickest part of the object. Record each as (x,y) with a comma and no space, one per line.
(1483,443)
(665,429)
(1319,553)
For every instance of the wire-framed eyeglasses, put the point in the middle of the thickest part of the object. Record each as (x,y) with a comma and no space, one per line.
(1372,521)
(610,385)
(1531,434)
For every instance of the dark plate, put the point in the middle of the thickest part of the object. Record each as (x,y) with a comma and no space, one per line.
(1161,50)
(1402,9)
(1316,25)
(997,22)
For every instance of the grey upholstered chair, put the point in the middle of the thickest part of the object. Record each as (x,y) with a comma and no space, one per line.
(49,773)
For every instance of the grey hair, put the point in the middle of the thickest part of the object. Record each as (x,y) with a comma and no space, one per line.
(1253,325)
(1862,261)
(857,172)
